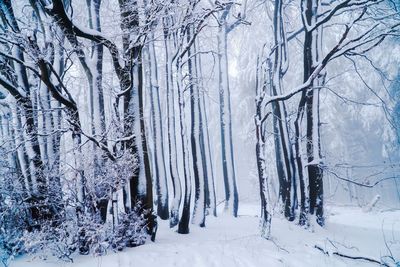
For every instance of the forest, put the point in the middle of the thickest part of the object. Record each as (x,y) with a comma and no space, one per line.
(200,132)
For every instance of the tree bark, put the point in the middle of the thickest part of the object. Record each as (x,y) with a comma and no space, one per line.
(228,165)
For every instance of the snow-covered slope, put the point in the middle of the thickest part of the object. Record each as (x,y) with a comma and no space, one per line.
(227,241)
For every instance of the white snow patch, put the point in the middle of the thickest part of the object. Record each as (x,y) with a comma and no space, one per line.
(227,241)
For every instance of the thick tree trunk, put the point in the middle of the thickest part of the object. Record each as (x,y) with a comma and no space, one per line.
(311,56)
(131,83)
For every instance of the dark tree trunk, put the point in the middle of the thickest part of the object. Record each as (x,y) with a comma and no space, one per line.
(283,147)
(315,173)
(200,178)
(183,227)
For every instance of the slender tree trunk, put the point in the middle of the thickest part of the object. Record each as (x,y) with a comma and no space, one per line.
(15,173)
(158,142)
(284,153)
(200,176)
(40,186)
(304,200)
(228,165)
(98,119)
(265,221)
(148,198)
(171,129)
(206,147)
(21,150)
(183,227)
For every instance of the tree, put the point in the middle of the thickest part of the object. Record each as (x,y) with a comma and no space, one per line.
(353,41)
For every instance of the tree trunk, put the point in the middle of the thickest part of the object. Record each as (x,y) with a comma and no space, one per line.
(158,137)
(206,146)
(183,227)
(98,119)
(265,220)
(311,56)
(171,129)
(228,165)
(200,176)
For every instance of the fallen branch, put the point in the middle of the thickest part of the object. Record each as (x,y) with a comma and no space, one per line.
(351,257)
(278,246)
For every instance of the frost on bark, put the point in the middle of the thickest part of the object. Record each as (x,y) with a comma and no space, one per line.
(312,48)
(41,207)
(209,185)
(285,164)
(228,163)
(183,226)
(259,120)
(160,175)
(197,141)
(171,125)
(97,111)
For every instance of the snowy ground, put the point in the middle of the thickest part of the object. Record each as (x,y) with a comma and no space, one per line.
(236,242)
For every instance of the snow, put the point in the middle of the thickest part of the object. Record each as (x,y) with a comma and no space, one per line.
(228,241)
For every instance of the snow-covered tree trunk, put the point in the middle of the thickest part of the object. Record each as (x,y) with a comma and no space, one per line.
(171,127)
(24,102)
(205,144)
(98,119)
(228,164)
(131,83)
(31,158)
(158,137)
(303,182)
(20,147)
(141,142)
(141,182)
(51,146)
(312,48)
(259,119)
(56,114)
(10,145)
(284,153)
(183,227)
(199,170)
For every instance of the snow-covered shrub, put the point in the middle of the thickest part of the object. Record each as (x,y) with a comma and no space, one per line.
(11,244)
(59,242)
(86,236)
(14,219)
(76,228)
(129,232)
